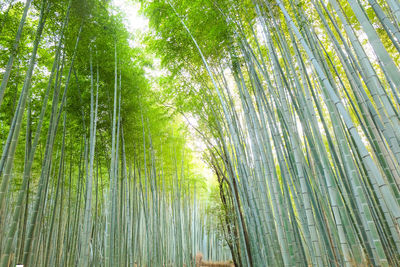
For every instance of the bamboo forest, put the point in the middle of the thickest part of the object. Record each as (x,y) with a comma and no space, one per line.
(190,133)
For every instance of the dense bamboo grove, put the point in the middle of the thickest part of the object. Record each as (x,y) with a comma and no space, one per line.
(300,100)
(93,171)
(296,102)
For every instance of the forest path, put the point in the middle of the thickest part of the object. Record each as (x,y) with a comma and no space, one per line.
(202,263)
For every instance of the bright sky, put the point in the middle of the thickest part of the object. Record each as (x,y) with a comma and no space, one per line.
(133,20)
